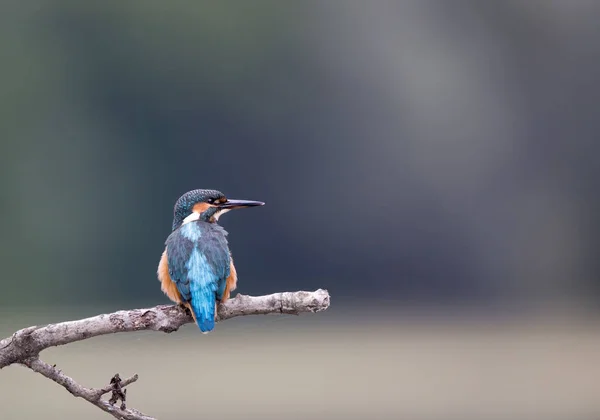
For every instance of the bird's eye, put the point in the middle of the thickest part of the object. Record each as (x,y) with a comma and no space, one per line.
(211,200)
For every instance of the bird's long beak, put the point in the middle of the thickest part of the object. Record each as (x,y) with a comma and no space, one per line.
(238,204)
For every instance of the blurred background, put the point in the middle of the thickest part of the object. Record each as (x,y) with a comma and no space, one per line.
(432,164)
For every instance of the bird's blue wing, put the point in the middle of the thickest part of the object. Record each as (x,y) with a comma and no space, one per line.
(199,264)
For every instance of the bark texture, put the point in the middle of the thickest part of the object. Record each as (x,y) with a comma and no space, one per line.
(25,345)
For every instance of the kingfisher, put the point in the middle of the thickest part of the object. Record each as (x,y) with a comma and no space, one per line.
(196,269)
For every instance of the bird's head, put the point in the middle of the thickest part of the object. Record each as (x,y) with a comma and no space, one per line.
(205,205)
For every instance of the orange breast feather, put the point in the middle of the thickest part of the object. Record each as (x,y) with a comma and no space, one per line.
(231,283)
(166,284)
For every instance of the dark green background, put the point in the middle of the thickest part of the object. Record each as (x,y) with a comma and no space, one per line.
(405,150)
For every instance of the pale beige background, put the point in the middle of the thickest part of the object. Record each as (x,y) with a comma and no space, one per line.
(390,365)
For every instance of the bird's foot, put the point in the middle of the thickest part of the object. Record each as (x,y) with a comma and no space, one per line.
(185,308)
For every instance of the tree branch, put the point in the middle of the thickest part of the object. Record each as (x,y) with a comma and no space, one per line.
(24,346)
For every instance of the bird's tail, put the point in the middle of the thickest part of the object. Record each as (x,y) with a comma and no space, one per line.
(203,307)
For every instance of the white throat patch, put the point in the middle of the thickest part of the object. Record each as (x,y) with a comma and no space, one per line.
(196,216)
(220,212)
(191,218)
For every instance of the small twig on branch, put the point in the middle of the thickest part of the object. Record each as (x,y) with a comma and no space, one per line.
(89,394)
(118,392)
(25,345)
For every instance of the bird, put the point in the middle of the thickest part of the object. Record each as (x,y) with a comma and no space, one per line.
(196,268)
